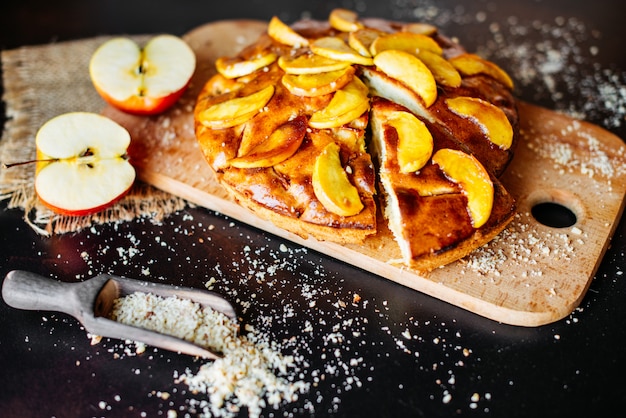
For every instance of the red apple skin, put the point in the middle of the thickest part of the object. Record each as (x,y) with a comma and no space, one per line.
(143,105)
(84,212)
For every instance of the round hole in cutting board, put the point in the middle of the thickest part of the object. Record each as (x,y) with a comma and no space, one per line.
(553,214)
(555,208)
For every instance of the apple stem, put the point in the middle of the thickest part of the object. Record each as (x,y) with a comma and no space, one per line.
(5,165)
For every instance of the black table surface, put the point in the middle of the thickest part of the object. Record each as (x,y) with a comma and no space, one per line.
(394,353)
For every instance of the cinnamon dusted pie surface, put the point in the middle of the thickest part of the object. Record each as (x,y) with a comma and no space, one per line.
(302,128)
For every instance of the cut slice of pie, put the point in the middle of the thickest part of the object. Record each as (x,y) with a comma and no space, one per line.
(323,127)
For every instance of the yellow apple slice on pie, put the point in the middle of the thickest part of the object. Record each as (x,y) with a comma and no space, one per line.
(281,32)
(490,118)
(310,64)
(415,142)
(411,71)
(335,48)
(405,41)
(472,64)
(344,20)
(474,180)
(332,186)
(235,111)
(237,67)
(279,146)
(347,104)
(319,84)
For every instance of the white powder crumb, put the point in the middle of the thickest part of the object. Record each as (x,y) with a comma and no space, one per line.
(252,372)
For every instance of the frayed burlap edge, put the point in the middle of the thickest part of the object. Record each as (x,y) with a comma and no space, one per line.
(41,82)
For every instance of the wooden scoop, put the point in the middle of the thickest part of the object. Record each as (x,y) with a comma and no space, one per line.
(91,302)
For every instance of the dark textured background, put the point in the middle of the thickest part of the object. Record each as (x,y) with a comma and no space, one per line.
(574,367)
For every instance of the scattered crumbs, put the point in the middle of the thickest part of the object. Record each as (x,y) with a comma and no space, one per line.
(252,373)
(526,248)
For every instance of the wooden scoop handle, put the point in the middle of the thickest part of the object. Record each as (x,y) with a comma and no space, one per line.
(30,291)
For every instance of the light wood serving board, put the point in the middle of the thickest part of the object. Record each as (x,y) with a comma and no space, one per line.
(530,275)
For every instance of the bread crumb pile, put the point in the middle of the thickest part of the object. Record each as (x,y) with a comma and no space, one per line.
(252,372)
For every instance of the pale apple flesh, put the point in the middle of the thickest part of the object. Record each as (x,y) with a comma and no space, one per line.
(145,80)
(83,165)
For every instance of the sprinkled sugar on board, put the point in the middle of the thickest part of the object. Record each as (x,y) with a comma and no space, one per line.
(530,275)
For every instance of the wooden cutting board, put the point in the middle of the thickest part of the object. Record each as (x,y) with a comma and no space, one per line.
(532,274)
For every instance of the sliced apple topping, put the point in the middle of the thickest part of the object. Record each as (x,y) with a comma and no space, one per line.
(281,32)
(490,118)
(82,164)
(335,48)
(415,142)
(405,41)
(469,173)
(332,186)
(344,20)
(310,64)
(442,70)
(362,39)
(237,67)
(346,105)
(419,27)
(279,146)
(472,64)
(318,84)
(235,111)
(411,71)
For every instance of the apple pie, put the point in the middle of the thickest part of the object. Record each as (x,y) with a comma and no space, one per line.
(330,128)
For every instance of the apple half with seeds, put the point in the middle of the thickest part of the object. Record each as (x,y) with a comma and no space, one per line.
(142,81)
(82,164)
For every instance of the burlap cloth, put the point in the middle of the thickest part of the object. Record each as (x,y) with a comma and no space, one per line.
(41,82)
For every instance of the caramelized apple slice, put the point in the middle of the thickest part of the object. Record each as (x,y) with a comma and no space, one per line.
(471,64)
(344,20)
(444,72)
(347,104)
(279,146)
(421,28)
(411,71)
(332,186)
(237,67)
(235,111)
(474,180)
(362,39)
(281,32)
(310,64)
(490,118)
(319,84)
(405,41)
(335,48)
(415,142)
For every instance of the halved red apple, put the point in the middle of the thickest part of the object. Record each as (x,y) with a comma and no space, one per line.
(146,80)
(82,165)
